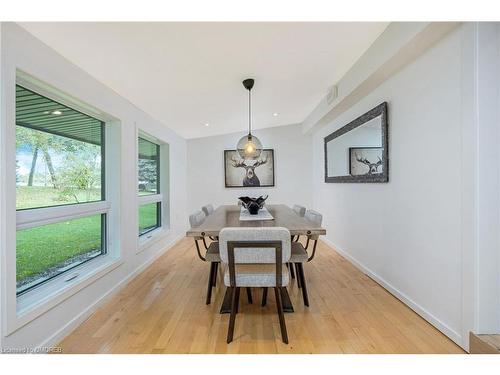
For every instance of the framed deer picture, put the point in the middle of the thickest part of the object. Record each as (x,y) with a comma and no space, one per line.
(365,161)
(241,173)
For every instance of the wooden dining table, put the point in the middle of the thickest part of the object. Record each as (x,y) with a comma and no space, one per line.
(229,216)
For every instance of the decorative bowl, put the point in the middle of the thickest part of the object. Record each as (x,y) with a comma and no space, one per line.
(253,205)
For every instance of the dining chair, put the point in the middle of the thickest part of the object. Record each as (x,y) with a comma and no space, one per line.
(255,258)
(300,255)
(299,210)
(211,252)
(208,209)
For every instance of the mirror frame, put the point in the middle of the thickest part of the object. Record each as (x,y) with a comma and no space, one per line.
(380,110)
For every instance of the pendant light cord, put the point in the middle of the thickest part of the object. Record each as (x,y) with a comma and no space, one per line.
(249,112)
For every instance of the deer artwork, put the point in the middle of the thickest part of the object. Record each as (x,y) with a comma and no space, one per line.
(250,178)
(372,167)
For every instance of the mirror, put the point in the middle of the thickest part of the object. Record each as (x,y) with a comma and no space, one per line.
(358,152)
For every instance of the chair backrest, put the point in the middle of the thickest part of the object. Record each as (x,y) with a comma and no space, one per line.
(299,210)
(196,218)
(255,254)
(208,209)
(316,218)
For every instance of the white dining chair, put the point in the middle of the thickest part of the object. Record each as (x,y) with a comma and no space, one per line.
(211,252)
(208,209)
(299,210)
(300,255)
(255,257)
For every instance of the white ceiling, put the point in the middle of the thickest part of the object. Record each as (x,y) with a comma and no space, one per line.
(189,74)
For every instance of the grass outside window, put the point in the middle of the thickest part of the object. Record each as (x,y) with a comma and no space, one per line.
(149,217)
(49,250)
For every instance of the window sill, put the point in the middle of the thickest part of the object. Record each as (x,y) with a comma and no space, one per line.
(150,238)
(41,299)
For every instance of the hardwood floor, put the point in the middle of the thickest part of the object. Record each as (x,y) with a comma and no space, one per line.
(163,311)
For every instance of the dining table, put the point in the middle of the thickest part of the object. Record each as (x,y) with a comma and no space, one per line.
(282,216)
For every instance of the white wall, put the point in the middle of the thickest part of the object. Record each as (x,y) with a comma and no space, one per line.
(22,51)
(407,233)
(293,168)
(487,110)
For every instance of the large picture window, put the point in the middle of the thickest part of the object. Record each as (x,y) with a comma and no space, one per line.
(150,197)
(60,190)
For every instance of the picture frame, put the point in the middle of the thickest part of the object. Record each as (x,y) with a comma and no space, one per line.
(240,173)
(363,161)
(378,113)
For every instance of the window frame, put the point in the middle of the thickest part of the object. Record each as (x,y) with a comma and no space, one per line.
(34,217)
(159,211)
(22,309)
(103,219)
(150,198)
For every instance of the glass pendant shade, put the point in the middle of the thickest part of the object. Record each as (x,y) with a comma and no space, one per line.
(249,147)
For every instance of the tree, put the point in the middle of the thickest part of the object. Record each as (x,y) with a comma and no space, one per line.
(147,174)
(17,172)
(39,141)
(80,172)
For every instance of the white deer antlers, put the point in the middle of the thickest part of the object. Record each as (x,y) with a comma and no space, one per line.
(238,163)
(260,162)
(372,167)
(367,162)
(241,163)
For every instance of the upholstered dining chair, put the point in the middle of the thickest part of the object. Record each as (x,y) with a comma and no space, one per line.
(255,257)
(299,210)
(300,255)
(208,209)
(211,252)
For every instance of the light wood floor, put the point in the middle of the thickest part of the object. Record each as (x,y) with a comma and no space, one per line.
(163,311)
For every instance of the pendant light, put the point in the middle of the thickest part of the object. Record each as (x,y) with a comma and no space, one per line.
(249,146)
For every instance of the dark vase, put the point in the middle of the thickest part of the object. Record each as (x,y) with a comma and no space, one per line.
(253,205)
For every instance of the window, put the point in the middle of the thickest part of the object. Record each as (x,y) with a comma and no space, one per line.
(150,198)
(60,190)
(149,217)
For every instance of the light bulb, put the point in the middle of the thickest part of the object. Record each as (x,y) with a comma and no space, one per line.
(250,148)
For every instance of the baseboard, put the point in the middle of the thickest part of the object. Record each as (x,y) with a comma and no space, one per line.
(445,329)
(80,318)
(484,344)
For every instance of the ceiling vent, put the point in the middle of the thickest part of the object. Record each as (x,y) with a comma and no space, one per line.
(332,94)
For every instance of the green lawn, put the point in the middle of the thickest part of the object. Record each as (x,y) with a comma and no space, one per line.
(40,196)
(42,248)
(147,217)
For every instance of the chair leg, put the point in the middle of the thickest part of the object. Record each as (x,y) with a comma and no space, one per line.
(215,274)
(232,317)
(290,267)
(237,300)
(281,315)
(299,284)
(210,283)
(305,297)
(264,297)
(249,295)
